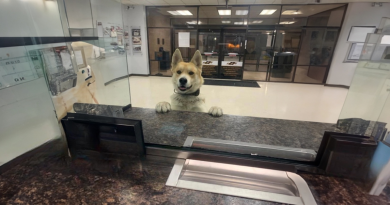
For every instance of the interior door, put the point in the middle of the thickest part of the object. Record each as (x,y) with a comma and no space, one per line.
(258,54)
(209,47)
(233,54)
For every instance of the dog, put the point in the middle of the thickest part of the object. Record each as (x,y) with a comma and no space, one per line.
(187,80)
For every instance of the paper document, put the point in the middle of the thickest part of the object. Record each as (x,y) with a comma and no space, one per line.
(184,39)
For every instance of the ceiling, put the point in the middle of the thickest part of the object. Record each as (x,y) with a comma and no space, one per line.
(234,2)
(254,11)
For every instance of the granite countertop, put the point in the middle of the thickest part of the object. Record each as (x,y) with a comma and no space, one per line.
(174,127)
(50,178)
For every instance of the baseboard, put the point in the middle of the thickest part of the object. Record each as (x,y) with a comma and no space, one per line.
(145,75)
(47,146)
(125,76)
(115,79)
(339,86)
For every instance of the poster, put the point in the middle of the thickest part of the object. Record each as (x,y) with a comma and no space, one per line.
(111,30)
(184,39)
(136,40)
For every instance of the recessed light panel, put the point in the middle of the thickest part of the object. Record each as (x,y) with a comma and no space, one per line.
(241,12)
(257,21)
(174,12)
(193,22)
(287,22)
(184,12)
(225,12)
(291,12)
(267,11)
(225,21)
(180,12)
(241,23)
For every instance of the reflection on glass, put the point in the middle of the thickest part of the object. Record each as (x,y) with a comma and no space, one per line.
(317,46)
(260,16)
(213,15)
(310,74)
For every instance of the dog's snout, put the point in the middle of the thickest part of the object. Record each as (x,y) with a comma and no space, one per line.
(183,81)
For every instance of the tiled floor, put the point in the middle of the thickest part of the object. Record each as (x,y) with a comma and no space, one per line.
(303,102)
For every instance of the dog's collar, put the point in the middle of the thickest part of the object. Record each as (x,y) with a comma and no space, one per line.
(196,93)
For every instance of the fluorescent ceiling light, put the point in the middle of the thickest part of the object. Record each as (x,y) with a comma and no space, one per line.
(267,11)
(240,23)
(193,22)
(184,12)
(241,12)
(257,21)
(225,12)
(287,22)
(174,12)
(291,12)
(180,12)
(225,21)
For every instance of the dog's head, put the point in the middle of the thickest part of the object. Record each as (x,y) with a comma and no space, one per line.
(186,77)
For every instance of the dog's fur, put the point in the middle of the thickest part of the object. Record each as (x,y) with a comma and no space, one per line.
(187,79)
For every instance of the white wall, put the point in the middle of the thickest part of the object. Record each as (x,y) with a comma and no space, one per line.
(79,13)
(21,18)
(137,64)
(358,14)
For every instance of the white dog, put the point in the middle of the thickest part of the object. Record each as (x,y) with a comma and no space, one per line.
(187,80)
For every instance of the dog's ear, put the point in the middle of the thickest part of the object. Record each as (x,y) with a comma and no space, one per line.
(197,60)
(176,58)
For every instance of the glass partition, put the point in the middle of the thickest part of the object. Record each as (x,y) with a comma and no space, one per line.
(239,47)
(366,106)
(208,72)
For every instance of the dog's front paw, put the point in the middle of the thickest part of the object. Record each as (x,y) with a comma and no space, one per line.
(216,111)
(163,107)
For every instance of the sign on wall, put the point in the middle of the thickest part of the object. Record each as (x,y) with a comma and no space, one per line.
(136,40)
(184,39)
(17,70)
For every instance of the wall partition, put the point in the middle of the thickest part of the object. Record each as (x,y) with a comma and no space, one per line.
(277,43)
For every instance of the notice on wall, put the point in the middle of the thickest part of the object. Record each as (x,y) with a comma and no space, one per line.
(355,51)
(184,39)
(136,40)
(18,70)
(358,34)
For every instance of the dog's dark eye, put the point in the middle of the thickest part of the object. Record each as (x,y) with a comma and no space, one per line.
(178,72)
(191,73)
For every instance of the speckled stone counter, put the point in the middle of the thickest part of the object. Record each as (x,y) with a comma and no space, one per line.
(50,179)
(174,127)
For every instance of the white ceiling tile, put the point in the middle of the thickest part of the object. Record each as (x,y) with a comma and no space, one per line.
(209,2)
(128,1)
(267,1)
(174,2)
(155,2)
(221,2)
(232,2)
(246,1)
(191,2)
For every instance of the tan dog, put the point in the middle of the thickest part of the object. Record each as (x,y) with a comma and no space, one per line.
(187,80)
